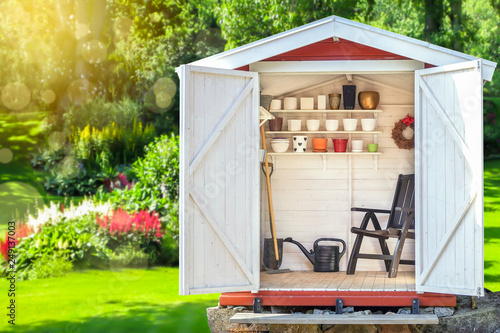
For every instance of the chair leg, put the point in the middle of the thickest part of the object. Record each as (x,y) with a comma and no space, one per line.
(353,260)
(385,251)
(398,249)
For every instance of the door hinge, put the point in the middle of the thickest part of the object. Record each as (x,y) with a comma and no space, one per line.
(479,66)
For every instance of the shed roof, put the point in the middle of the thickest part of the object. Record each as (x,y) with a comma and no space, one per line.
(338,27)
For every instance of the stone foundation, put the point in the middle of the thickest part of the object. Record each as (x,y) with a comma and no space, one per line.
(479,315)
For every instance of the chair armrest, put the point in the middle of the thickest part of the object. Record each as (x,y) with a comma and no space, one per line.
(369,210)
(405,210)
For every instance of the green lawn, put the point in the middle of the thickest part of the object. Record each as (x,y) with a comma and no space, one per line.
(492,225)
(131,300)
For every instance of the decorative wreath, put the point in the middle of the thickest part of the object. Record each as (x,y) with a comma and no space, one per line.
(397,133)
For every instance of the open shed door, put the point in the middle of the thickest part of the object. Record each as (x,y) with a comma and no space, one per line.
(449,179)
(219,180)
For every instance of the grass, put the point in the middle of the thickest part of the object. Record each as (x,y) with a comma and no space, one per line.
(131,300)
(492,225)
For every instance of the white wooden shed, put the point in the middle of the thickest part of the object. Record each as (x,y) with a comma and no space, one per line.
(223,211)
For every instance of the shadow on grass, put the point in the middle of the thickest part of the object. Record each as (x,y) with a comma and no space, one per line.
(492,235)
(139,317)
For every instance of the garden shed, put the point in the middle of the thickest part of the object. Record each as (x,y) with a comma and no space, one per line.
(223,202)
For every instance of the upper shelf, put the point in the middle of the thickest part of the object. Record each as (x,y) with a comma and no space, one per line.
(324,132)
(327,111)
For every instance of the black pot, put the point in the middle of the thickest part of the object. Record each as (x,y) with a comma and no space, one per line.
(349,96)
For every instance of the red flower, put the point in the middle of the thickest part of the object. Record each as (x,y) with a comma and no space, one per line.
(22,231)
(408,120)
(123,222)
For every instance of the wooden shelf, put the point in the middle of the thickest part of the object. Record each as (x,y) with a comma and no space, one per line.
(324,132)
(320,153)
(327,111)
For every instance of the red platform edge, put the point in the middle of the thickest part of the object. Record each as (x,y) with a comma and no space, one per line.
(328,298)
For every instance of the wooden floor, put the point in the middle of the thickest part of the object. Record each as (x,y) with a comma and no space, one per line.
(309,280)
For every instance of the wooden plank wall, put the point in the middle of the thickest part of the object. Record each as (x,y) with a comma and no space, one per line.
(311,203)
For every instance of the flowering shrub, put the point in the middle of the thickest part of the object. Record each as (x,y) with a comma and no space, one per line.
(122,230)
(21,231)
(121,222)
(55,213)
(120,182)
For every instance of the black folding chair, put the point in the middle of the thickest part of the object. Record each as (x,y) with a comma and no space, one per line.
(400,225)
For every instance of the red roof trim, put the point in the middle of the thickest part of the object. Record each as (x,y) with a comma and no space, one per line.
(330,50)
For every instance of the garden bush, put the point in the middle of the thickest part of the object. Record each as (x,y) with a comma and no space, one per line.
(88,235)
(55,265)
(491,126)
(156,177)
(99,113)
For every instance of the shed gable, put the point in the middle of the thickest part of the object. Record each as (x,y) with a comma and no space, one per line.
(336,49)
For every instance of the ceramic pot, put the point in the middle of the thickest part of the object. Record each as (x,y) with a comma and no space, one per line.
(290,103)
(276,104)
(357,146)
(350,124)
(332,124)
(280,145)
(349,96)
(299,143)
(334,100)
(319,143)
(307,103)
(340,145)
(294,125)
(312,124)
(372,147)
(368,124)
(276,124)
(368,100)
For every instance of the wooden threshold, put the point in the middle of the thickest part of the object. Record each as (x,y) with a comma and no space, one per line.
(271,318)
(339,281)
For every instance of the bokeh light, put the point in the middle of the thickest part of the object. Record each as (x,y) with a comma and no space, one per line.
(16,96)
(122,28)
(94,52)
(69,167)
(82,30)
(6,155)
(57,140)
(164,90)
(48,96)
(80,91)
(163,100)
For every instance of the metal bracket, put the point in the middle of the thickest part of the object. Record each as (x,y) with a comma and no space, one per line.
(257,305)
(339,306)
(415,305)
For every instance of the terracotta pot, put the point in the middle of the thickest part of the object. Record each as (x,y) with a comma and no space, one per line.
(340,145)
(319,143)
(276,124)
(368,100)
